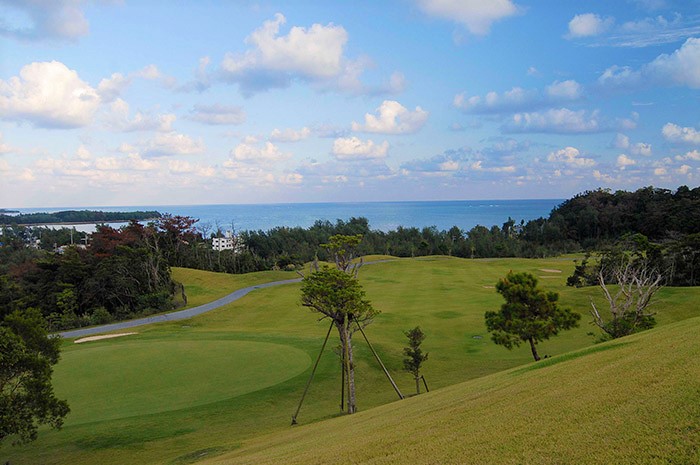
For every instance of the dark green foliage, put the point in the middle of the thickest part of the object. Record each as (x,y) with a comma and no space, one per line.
(77,216)
(336,295)
(122,274)
(529,315)
(414,354)
(27,355)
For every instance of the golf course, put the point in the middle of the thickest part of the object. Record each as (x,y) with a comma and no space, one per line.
(221,387)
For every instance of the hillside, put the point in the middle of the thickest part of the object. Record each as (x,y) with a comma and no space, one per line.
(182,391)
(631,401)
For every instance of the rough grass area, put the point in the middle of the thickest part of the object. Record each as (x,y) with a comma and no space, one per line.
(637,404)
(184,391)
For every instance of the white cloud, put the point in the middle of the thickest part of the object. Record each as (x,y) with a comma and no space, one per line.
(683,169)
(680,68)
(352,148)
(660,171)
(289,135)
(269,152)
(476,15)
(272,60)
(676,134)
(570,156)
(624,161)
(393,118)
(48,94)
(217,114)
(621,141)
(692,155)
(110,88)
(519,99)
(119,119)
(561,120)
(640,148)
(587,25)
(564,90)
(172,143)
(55,19)
(4,165)
(83,153)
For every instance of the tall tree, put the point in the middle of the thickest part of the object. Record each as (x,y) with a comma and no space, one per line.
(414,354)
(529,315)
(27,355)
(339,296)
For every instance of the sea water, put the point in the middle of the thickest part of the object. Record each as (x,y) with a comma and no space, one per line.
(383,216)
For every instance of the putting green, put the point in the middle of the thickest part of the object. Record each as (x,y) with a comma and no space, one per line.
(119,379)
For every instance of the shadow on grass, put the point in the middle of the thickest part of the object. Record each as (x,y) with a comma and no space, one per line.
(128,437)
(201,454)
(571,356)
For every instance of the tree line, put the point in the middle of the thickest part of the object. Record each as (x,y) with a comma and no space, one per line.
(124,273)
(77,216)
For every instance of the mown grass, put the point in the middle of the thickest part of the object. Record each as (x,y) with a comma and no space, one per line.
(190,400)
(636,404)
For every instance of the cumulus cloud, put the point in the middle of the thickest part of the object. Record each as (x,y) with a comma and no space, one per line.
(289,135)
(680,68)
(624,161)
(564,90)
(217,114)
(640,148)
(693,155)
(587,25)
(52,20)
(571,157)
(519,99)
(173,143)
(119,119)
(353,148)
(562,120)
(683,135)
(273,60)
(393,118)
(251,153)
(476,15)
(48,94)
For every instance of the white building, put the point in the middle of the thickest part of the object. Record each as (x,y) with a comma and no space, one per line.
(228,242)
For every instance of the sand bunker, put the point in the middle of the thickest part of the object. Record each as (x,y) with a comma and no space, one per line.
(547,270)
(104,336)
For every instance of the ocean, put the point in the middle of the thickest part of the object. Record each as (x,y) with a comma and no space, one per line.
(383,216)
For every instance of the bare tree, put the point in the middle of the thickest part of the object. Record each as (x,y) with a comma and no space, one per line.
(634,285)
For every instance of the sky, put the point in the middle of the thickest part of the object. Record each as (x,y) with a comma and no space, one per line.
(216,102)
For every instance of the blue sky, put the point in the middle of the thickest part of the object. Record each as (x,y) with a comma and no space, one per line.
(157,103)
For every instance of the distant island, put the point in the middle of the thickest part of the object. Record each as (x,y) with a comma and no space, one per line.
(77,217)
(5,210)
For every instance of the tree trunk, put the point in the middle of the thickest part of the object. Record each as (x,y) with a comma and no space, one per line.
(417,385)
(346,343)
(534,349)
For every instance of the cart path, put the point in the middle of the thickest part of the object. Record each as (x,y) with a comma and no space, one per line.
(174,316)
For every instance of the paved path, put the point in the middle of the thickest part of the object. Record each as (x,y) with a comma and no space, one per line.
(174,316)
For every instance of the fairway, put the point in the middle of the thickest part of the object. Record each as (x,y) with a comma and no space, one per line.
(120,379)
(223,378)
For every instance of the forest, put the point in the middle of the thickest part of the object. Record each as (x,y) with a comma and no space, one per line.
(125,272)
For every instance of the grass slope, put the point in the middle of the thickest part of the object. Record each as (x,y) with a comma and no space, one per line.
(631,401)
(180,391)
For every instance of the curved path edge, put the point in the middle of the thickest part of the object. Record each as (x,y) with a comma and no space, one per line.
(173,316)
